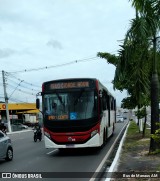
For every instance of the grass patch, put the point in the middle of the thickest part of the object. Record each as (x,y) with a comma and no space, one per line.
(135,153)
(134,138)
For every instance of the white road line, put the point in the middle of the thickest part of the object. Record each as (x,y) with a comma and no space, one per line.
(106,156)
(18,132)
(51,151)
(117,156)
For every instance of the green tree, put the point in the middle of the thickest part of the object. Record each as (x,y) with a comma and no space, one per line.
(148,10)
(136,65)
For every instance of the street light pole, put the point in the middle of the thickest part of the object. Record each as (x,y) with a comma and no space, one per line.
(6,102)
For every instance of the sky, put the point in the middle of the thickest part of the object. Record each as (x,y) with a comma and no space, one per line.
(43,40)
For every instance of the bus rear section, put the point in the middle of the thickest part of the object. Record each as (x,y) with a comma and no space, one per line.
(75,114)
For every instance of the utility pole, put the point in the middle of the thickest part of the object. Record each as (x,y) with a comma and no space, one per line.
(6,102)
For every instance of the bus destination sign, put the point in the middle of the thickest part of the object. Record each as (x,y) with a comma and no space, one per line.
(67,85)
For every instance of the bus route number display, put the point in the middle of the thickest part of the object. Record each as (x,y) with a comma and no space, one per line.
(61,117)
(67,85)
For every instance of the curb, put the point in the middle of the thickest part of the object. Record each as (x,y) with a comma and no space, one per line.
(101,170)
(18,132)
(114,164)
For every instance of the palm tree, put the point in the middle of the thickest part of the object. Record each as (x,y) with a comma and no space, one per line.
(149,12)
(134,57)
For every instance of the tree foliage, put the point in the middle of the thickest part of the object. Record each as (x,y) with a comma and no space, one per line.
(134,61)
(137,68)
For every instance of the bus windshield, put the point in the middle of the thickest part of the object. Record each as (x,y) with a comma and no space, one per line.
(73,105)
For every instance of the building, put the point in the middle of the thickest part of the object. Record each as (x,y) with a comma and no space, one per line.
(17,110)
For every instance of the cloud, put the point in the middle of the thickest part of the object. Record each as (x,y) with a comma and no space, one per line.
(6,52)
(42,33)
(55,44)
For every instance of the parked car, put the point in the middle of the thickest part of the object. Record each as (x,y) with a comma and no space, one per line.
(6,149)
(21,126)
(119,119)
(29,124)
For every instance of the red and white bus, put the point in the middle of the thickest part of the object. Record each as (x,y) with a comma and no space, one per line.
(77,113)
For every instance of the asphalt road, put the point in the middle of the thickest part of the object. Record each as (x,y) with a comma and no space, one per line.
(33,157)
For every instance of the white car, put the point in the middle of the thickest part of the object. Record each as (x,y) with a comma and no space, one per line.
(6,149)
(21,126)
(119,119)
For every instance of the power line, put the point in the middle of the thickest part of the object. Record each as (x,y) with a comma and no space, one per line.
(12,76)
(15,88)
(20,90)
(54,66)
(9,83)
(22,81)
(17,100)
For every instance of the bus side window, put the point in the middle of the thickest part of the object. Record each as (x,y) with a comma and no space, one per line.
(104,100)
(108,102)
(112,103)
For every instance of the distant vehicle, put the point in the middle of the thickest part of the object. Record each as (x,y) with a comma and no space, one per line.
(21,126)
(119,119)
(6,149)
(29,124)
(29,120)
(124,117)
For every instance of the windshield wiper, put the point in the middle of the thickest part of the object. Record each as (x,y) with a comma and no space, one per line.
(60,99)
(79,96)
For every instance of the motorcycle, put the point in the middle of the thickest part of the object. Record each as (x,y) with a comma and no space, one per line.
(37,135)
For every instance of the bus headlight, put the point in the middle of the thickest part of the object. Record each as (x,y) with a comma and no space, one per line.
(94,132)
(47,134)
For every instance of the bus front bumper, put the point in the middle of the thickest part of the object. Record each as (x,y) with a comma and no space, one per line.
(93,142)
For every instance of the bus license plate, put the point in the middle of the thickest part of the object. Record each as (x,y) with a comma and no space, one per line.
(70,146)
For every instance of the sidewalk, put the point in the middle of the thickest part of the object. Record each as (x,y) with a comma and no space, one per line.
(21,131)
(133,159)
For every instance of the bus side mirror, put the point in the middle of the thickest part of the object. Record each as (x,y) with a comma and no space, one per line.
(37,103)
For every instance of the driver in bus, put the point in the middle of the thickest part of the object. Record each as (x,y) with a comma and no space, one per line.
(53,111)
(54,108)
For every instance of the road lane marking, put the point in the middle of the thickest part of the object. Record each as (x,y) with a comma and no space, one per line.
(93,178)
(51,151)
(115,160)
